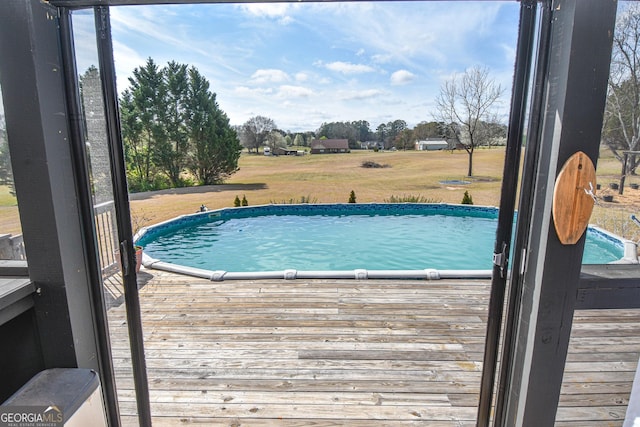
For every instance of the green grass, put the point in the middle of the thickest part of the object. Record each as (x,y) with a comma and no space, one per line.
(6,198)
(9,218)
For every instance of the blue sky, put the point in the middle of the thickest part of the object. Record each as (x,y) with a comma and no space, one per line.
(305,64)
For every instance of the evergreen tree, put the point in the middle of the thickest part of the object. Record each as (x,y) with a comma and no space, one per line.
(132,139)
(215,145)
(170,154)
(148,91)
(172,123)
(298,141)
(466,199)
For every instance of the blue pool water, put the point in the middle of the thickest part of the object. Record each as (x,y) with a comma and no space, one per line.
(340,237)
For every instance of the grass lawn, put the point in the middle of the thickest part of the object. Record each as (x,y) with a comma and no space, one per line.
(9,219)
(330,178)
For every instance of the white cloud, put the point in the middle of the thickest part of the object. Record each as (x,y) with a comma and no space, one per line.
(348,67)
(269,76)
(509,52)
(148,22)
(141,32)
(445,32)
(125,60)
(287,91)
(382,58)
(247,91)
(349,95)
(363,53)
(402,77)
(268,10)
(285,20)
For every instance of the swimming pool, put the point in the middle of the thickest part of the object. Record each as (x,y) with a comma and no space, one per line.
(339,240)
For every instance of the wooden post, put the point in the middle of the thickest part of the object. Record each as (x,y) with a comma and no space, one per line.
(575,84)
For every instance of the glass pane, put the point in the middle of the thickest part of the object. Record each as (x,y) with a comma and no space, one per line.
(618,196)
(319,72)
(11,242)
(104,210)
(367,74)
(603,352)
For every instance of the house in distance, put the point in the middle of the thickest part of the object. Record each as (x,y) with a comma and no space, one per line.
(329,146)
(432,144)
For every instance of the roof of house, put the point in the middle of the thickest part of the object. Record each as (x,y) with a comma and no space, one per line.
(329,144)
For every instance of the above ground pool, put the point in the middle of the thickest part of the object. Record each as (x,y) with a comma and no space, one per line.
(339,238)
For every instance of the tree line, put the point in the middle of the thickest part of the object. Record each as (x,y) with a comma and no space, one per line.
(465,114)
(261,131)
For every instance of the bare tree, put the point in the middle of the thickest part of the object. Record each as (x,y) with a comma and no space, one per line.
(405,140)
(275,139)
(255,130)
(6,173)
(621,127)
(466,104)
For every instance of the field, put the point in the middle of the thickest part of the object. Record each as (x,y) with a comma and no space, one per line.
(330,179)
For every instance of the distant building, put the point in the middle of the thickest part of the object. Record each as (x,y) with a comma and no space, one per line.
(281,151)
(432,144)
(328,146)
(369,145)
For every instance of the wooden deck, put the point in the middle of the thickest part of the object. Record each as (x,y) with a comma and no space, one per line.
(345,352)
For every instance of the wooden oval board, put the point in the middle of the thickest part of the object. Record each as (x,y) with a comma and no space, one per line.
(572,205)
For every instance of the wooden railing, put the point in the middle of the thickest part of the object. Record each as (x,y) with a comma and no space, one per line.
(106,231)
(12,247)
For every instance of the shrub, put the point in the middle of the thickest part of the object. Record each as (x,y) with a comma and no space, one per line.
(373,165)
(236,202)
(137,184)
(466,199)
(411,199)
(244,201)
(303,200)
(352,197)
(186,182)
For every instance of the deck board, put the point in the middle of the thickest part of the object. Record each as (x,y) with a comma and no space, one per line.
(345,352)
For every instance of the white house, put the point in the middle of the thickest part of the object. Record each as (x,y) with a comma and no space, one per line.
(432,144)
